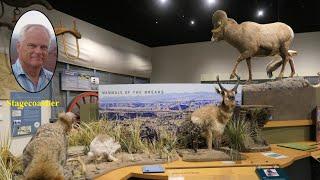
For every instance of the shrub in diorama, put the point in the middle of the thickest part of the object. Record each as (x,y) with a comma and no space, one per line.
(10,165)
(166,145)
(256,116)
(130,139)
(237,134)
(189,136)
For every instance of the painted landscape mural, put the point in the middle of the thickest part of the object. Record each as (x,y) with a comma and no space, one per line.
(156,101)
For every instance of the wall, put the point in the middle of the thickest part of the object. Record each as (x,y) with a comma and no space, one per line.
(191,63)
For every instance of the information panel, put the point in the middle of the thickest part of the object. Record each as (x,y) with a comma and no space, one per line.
(25,112)
(78,81)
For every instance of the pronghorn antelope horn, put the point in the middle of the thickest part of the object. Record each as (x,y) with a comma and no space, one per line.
(221,87)
(236,86)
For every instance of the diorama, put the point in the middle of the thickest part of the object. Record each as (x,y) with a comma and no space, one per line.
(144,124)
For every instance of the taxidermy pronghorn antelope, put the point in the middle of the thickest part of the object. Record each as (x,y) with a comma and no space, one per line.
(213,119)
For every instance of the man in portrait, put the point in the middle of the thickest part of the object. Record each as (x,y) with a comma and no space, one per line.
(33,49)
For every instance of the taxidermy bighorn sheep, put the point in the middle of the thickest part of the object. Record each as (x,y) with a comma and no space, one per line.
(213,119)
(255,40)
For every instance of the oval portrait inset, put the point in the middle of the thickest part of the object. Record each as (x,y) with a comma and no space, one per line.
(33,51)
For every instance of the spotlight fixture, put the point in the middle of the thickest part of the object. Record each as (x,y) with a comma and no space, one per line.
(260,13)
(211,2)
(163,1)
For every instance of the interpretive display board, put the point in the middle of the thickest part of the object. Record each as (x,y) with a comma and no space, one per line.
(78,81)
(25,109)
(157,101)
(25,118)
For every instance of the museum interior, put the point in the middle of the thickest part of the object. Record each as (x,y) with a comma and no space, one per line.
(160,89)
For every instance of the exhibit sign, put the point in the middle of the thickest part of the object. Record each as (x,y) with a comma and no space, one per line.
(25,109)
(24,120)
(157,101)
(272,173)
(78,81)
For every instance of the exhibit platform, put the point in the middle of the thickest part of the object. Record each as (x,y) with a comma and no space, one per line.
(296,163)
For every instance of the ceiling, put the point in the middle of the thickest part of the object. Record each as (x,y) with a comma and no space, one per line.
(167,22)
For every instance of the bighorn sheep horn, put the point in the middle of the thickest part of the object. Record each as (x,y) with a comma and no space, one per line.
(221,87)
(218,16)
(217,29)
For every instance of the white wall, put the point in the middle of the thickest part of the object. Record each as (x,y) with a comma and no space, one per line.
(191,63)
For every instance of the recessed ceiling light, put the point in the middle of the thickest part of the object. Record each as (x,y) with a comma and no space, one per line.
(163,1)
(192,22)
(211,1)
(260,13)
(156,22)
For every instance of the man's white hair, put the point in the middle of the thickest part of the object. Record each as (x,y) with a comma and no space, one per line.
(25,28)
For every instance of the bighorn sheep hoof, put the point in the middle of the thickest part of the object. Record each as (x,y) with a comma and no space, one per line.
(280,76)
(292,74)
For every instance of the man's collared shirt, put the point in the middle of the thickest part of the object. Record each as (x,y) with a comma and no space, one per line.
(25,81)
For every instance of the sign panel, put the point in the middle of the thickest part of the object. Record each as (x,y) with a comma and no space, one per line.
(78,81)
(157,101)
(25,118)
(25,113)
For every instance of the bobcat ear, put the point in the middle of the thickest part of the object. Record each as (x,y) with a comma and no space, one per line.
(67,118)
